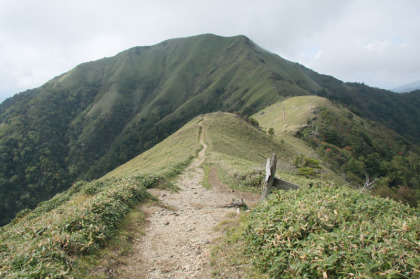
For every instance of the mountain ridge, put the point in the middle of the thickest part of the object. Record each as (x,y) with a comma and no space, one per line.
(85,122)
(88,230)
(412,86)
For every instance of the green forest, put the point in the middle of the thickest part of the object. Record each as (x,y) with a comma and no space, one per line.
(363,149)
(88,121)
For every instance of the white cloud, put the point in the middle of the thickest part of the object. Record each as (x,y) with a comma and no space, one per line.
(371,41)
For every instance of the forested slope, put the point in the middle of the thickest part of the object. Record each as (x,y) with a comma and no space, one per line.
(99,115)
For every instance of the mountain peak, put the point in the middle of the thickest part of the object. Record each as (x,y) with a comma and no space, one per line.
(415,85)
(99,115)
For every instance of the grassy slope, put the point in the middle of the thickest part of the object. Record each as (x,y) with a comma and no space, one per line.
(84,218)
(51,239)
(290,116)
(350,145)
(103,113)
(166,158)
(240,151)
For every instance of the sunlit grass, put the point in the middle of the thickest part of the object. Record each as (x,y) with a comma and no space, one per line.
(167,158)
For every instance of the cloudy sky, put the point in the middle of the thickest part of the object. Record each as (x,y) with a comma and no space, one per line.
(372,41)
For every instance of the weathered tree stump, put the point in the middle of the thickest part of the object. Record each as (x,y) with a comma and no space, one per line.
(270,181)
(270,172)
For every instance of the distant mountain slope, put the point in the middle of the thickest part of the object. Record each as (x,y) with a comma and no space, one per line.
(398,112)
(349,145)
(84,123)
(415,85)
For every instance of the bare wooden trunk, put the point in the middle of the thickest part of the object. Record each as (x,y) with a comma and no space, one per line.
(270,181)
(284,185)
(270,171)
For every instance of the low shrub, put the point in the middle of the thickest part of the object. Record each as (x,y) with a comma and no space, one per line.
(45,246)
(149,181)
(57,200)
(327,232)
(253,178)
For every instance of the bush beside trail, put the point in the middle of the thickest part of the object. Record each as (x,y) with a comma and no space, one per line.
(44,243)
(329,232)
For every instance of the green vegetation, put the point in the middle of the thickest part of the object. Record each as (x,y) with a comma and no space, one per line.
(315,231)
(169,157)
(239,151)
(330,232)
(306,166)
(63,236)
(108,259)
(47,241)
(85,123)
(349,145)
(229,257)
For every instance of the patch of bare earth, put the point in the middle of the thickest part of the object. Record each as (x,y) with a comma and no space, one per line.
(180,229)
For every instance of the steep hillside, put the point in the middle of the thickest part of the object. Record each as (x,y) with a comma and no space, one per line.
(50,240)
(61,237)
(355,147)
(101,114)
(398,112)
(84,123)
(82,219)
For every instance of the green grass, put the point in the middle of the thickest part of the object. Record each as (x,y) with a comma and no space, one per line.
(289,115)
(206,181)
(320,232)
(235,147)
(92,223)
(333,232)
(102,263)
(80,228)
(232,141)
(47,242)
(168,158)
(240,151)
(229,258)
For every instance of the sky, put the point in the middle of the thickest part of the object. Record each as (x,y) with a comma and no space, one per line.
(376,42)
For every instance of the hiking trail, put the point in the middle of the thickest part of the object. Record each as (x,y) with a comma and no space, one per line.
(179,229)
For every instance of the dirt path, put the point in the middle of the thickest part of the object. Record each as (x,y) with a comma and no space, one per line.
(179,233)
